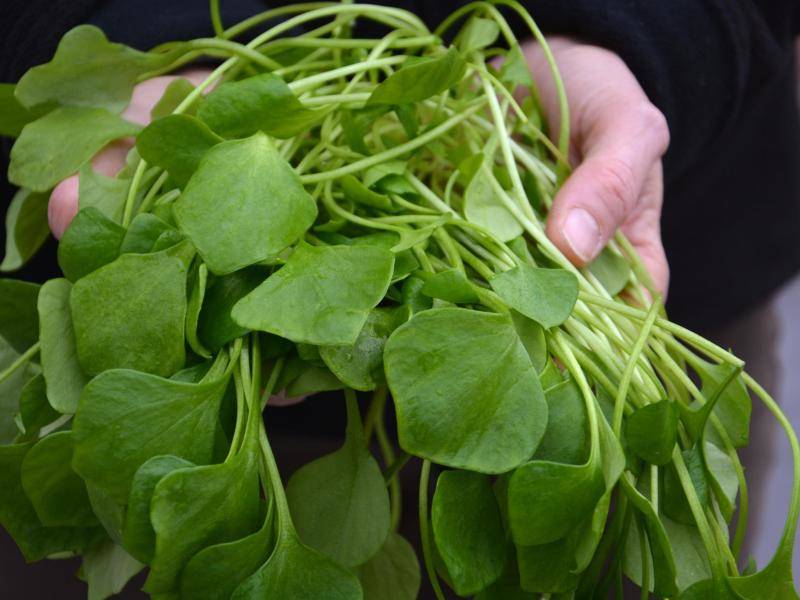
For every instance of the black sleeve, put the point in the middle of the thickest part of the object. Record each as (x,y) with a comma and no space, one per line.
(698,60)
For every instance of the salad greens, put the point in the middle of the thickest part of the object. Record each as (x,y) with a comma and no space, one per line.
(327,212)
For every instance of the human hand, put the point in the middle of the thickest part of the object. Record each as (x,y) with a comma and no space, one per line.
(63,204)
(617,139)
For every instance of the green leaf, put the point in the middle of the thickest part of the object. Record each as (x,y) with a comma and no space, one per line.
(551,375)
(674,501)
(339,503)
(455,407)
(322,296)
(125,418)
(57,493)
(26,229)
(35,411)
(88,70)
(532,336)
(138,536)
(91,241)
(106,194)
(216,327)
(420,79)
(64,376)
(175,93)
(215,572)
(374,175)
(360,366)
(450,285)
(142,234)
(612,270)
(691,558)
(107,568)
(196,295)
(483,207)
(357,192)
(544,295)
(413,297)
(243,204)
(652,430)
(357,124)
(468,530)
(58,144)
(197,507)
(11,392)
(176,143)
(260,103)
(19,519)
(104,306)
(515,69)
(19,321)
(477,34)
(773,581)
(566,439)
(722,477)
(298,572)
(547,568)
(393,573)
(734,404)
(14,116)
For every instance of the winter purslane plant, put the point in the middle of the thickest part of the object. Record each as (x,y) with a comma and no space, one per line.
(328,212)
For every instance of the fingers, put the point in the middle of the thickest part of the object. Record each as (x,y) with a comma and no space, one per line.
(63,206)
(618,184)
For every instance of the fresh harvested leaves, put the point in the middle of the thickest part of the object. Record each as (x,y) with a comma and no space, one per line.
(34,409)
(544,295)
(478,33)
(143,233)
(10,393)
(393,573)
(454,406)
(58,144)
(339,502)
(107,568)
(91,241)
(468,530)
(322,296)
(421,79)
(19,320)
(148,290)
(176,143)
(13,115)
(106,194)
(175,93)
(483,207)
(566,437)
(57,493)
(59,355)
(126,417)
(451,286)
(547,568)
(243,204)
(260,103)
(532,336)
(611,270)
(138,536)
(216,327)
(357,192)
(88,70)
(651,431)
(734,405)
(26,228)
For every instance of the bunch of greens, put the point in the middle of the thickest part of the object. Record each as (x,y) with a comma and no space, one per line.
(328,212)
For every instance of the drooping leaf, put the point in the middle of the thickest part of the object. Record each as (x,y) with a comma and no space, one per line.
(146,289)
(456,408)
(91,241)
(176,143)
(106,194)
(57,493)
(243,204)
(566,439)
(260,103)
(531,334)
(322,296)
(138,536)
(88,70)
(196,296)
(544,295)
(612,270)
(652,430)
(175,93)
(734,405)
(58,144)
(674,501)
(26,229)
(360,365)
(59,356)
(13,115)
(19,319)
(420,79)
(547,568)
(107,568)
(722,477)
(215,572)
(468,530)
(34,409)
(393,573)
(125,418)
(339,503)
(477,34)
(483,207)
(357,192)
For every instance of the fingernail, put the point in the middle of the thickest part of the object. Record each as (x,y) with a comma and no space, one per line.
(582,233)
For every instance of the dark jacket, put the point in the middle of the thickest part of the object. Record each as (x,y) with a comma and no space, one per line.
(722,71)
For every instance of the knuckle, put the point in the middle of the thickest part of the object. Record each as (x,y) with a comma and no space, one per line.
(653,124)
(617,187)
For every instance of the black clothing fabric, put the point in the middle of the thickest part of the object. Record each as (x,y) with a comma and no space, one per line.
(722,71)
